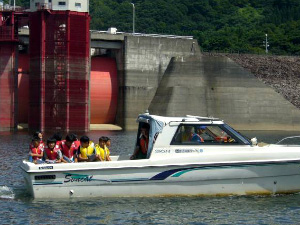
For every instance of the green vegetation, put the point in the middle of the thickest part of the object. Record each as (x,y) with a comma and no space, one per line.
(24,3)
(219,25)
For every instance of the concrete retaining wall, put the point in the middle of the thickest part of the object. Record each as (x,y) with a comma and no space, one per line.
(216,86)
(145,62)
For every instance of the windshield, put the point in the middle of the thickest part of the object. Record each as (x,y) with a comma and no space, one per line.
(211,134)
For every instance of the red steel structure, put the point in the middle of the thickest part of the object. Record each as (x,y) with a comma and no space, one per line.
(59,71)
(9,23)
(23,87)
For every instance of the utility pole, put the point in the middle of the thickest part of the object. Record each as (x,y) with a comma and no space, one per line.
(266,43)
(133,18)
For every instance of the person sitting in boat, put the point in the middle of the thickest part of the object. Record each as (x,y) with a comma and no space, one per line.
(190,136)
(58,137)
(107,145)
(141,149)
(36,151)
(200,130)
(69,149)
(86,150)
(39,136)
(102,151)
(52,152)
(76,141)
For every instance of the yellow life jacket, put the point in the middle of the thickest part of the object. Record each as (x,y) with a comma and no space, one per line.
(85,152)
(102,152)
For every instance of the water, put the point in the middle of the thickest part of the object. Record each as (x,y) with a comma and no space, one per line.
(16,206)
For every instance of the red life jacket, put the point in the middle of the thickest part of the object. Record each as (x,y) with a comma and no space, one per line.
(37,150)
(52,154)
(68,152)
(77,143)
(41,145)
(144,145)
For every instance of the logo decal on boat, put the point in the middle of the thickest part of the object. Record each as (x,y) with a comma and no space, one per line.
(188,150)
(162,150)
(77,178)
(45,167)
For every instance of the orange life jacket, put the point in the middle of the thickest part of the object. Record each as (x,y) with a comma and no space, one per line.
(144,144)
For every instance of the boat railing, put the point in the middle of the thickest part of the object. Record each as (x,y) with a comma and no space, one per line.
(288,139)
(201,118)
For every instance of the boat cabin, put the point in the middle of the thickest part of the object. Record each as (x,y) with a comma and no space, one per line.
(170,133)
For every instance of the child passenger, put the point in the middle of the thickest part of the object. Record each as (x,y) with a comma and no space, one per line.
(39,136)
(107,146)
(58,137)
(86,151)
(36,151)
(52,152)
(69,149)
(101,150)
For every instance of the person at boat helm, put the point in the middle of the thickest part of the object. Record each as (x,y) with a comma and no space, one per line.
(190,136)
(141,149)
(200,131)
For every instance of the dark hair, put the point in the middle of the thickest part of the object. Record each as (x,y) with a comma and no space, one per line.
(57,136)
(35,139)
(102,139)
(84,139)
(146,126)
(75,136)
(70,138)
(106,139)
(36,134)
(51,140)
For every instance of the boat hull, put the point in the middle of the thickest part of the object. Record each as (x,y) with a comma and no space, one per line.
(239,178)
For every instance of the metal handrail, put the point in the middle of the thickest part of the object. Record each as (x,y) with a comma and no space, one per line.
(286,139)
(146,35)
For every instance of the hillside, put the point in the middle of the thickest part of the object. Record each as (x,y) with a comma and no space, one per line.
(236,26)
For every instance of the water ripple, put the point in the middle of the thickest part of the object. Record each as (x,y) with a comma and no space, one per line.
(6,193)
(16,206)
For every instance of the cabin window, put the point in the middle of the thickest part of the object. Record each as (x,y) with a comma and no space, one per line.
(62,3)
(195,134)
(78,5)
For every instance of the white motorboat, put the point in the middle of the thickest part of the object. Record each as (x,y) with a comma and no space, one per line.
(186,156)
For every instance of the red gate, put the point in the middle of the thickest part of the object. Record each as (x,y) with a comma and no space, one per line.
(104,90)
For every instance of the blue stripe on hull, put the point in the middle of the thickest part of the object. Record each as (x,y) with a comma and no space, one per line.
(175,172)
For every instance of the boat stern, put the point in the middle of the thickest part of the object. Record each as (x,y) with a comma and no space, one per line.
(25,167)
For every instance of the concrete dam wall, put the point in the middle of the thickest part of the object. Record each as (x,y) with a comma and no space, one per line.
(218,87)
(169,76)
(145,62)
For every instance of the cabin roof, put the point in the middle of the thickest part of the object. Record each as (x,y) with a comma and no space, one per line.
(187,118)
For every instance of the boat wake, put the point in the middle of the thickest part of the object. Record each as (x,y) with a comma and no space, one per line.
(6,193)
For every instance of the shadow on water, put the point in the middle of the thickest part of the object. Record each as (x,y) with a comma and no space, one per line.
(17,206)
